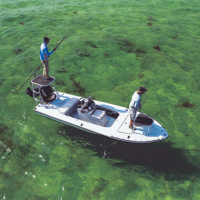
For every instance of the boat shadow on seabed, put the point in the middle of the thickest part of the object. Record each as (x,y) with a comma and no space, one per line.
(155,157)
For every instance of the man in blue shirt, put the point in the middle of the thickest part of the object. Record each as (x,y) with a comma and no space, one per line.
(44,54)
(135,104)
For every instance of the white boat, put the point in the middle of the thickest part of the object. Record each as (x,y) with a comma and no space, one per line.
(93,116)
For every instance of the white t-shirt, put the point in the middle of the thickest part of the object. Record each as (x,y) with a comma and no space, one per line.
(136,100)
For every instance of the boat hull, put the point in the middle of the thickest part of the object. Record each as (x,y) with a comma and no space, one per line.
(115,128)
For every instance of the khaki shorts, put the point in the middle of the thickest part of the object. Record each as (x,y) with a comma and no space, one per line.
(46,68)
(132,112)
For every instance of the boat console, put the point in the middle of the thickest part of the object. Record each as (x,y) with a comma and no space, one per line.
(87,111)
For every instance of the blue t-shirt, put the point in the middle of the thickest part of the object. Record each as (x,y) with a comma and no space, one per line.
(44,52)
(136,100)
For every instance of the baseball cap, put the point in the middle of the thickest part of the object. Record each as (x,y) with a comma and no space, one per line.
(46,39)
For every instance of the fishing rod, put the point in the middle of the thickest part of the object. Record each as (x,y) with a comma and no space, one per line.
(37,68)
(143,101)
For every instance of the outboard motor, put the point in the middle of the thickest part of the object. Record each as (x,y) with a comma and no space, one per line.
(46,93)
(30,92)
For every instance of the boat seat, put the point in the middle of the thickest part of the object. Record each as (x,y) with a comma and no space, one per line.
(100,117)
(69,107)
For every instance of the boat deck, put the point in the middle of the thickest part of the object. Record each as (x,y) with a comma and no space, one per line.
(57,103)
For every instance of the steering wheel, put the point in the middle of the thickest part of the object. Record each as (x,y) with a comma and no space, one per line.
(81,100)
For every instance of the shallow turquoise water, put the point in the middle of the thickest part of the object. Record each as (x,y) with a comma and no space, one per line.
(111,49)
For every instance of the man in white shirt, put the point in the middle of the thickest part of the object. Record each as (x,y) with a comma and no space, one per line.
(135,104)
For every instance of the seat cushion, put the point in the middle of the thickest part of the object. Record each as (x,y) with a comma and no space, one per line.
(65,109)
(99,114)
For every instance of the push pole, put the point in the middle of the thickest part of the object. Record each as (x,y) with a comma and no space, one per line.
(37,68)
(60,42)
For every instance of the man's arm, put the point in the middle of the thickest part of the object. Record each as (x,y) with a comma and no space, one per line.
(47,52)
(136,104)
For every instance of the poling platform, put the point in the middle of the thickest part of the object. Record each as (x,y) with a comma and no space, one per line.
(42,82)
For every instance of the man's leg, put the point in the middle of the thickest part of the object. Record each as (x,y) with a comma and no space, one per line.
(46,69)
(44,72)
(135,111)
(132,117)
(131,123)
